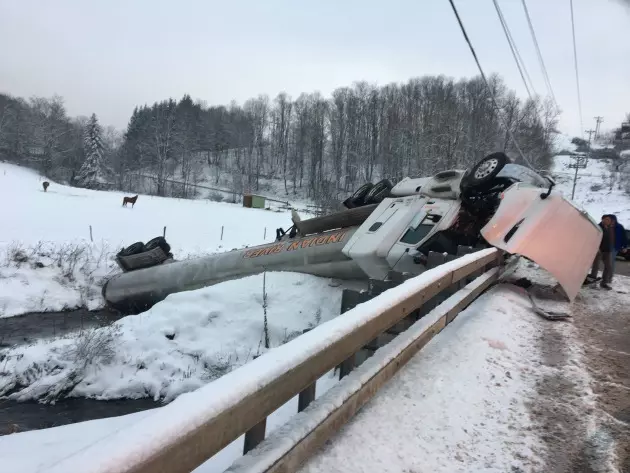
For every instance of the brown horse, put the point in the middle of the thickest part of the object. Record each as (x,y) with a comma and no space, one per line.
(45,184)
(130,200)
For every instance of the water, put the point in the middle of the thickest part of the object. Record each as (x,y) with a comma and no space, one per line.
(28,328)
(23,416)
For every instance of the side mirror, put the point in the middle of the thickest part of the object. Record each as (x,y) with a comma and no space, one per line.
(552,183)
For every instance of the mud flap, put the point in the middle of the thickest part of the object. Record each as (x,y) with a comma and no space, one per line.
(552,232)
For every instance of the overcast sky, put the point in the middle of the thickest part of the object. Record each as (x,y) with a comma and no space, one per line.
(108,56)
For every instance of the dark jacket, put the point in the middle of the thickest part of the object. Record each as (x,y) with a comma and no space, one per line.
(608,239)
(621,239)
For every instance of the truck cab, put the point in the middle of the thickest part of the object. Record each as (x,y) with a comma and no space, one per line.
(400,232)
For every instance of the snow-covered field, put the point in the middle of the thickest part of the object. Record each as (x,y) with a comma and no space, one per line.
(48,263)
(178,345)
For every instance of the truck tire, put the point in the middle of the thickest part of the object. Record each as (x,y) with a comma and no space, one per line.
(358,198)
(158,242)
(482,174)
(378,192)
(136,248)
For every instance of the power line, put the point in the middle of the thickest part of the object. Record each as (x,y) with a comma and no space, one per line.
(577,75)
(539,54)
(515,53)
(485,80)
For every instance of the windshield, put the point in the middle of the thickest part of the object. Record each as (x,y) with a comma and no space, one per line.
(418,230)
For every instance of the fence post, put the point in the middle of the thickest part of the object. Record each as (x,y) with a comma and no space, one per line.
(306,397)
(347,366)
(164,232)
(91,239)
(254,436)
(221,232)
(265,236)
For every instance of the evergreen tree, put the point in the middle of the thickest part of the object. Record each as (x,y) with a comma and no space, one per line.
(94,173)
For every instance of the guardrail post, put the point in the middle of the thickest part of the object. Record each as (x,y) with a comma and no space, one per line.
(254,436)
(306,397)
(346,366)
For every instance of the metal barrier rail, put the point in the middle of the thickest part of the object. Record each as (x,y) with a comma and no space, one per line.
(189,431)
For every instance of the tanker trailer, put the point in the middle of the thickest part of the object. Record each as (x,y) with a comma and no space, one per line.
(311,246)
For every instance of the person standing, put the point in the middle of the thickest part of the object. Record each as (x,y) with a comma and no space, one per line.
(621,240)
(604,254)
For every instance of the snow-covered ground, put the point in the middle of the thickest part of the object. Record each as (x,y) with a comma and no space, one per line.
(48,263)
(599,190)
(177,346)
(459,405)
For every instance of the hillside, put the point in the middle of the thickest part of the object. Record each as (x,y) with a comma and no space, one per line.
(600,189)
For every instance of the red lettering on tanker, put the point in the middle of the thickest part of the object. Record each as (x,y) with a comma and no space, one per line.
(296,245)
(317,241)
(293,246)
(264,251)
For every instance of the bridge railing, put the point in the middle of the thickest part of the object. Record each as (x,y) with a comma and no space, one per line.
(184,434)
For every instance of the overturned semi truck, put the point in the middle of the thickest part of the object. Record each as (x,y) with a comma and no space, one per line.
(394,228)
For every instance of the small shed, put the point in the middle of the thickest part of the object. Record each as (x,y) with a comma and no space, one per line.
(253,201)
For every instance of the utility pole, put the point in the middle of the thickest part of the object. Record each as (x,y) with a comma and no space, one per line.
(581,160)
(580,163)
(598,120)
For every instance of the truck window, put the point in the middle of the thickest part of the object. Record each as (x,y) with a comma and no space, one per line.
(442,242)
(417,230)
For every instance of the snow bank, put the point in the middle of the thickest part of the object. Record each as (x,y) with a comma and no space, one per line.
(458,406)
(47,224)
(177,346)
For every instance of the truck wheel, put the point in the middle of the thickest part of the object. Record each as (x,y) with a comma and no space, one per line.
(134,249)
(378,192)
(379,196)
(158,242)
(358,198)
(482,174)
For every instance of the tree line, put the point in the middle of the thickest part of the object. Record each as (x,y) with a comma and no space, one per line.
(318,147)
(39,133)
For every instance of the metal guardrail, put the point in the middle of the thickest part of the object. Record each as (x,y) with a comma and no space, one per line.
(159,445)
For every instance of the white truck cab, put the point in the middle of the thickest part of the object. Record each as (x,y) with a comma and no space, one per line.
(395,232)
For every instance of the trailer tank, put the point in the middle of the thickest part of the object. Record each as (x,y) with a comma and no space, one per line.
(318,254)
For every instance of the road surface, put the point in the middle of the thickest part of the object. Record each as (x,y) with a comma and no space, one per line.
(573,379)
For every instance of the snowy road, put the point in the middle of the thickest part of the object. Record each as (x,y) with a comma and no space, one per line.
(501,389)
(459,405)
